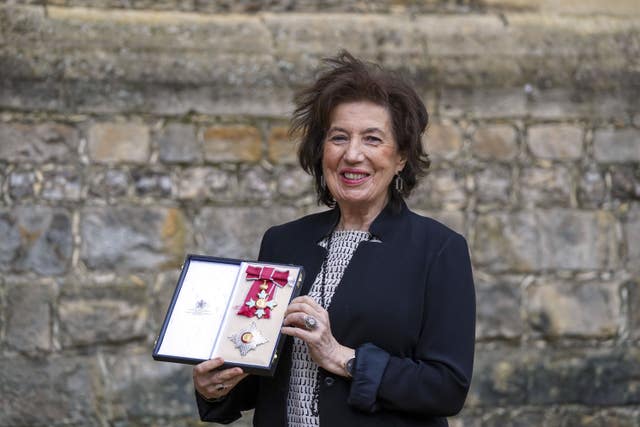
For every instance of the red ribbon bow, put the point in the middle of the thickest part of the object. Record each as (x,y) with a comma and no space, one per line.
(259,300)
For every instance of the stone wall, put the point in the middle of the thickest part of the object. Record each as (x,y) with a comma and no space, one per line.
(133,132)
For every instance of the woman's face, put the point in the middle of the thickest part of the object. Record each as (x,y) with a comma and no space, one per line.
(360,155)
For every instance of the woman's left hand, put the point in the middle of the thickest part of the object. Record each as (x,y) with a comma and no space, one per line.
(323,347)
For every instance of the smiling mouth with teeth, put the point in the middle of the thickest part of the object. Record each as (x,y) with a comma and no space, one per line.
(355,176)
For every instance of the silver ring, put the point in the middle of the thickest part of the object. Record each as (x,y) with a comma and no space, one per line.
(220,387)
(310,323)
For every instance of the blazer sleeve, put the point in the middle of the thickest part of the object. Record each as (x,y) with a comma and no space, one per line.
(436,380)
(243,396)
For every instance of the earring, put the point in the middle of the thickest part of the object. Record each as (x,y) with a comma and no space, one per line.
(399,183)
(323,184)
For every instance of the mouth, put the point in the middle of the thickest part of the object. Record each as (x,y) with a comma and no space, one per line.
(353,177)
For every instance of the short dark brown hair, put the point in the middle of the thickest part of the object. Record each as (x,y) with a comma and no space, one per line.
(347,79)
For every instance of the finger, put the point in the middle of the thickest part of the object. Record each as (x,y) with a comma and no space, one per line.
(227,375)
(208,366)
(303,307)
(306,299)
(298,320)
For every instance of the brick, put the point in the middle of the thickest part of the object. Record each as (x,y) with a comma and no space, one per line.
(29,317)
(617,145)
(39,390)
(561,142)
(152,183)
(498,302)
(542,239)
(132,238)
(442,141)
(35,239)
(235,232)
(119,142)
(500,378)
(102,317)
(281,148)
(550,187)
(584,310)
(495,142)
(177,143)
(39,143)
(232,144)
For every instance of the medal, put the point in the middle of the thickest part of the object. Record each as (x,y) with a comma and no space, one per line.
(259,300)
(248,339)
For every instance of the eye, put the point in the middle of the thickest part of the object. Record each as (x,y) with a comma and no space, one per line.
(338,138)
(370,139)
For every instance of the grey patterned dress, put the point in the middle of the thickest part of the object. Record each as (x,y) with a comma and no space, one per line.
(303,369)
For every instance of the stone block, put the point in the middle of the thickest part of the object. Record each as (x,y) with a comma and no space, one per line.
(592,188)
(119,142)
(132,237)
(625,182)
(493,186)
(282,149)
(256,184)
(38,143)
(23,184)
(538,240)
(495,142)
(177,143)
(205,182)
(606,377)
(633,307)
(498,308)
(617,145)
(442,141)
(152,183)
(138,387)
(232,144)
(631,229)
(547,187)
(102,318)
(443,188)
(558,142)
(293,183)
(623,8)
(53,391)
(500,378)
(236,232)
(35,239)
(583,310)
(61,183)
(29,321)
(453,219)
(108,183)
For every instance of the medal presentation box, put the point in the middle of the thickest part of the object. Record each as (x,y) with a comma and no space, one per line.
(228,308)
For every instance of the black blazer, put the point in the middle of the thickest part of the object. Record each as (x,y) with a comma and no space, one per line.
(406,304)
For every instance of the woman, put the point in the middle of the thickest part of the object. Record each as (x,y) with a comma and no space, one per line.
(384,332)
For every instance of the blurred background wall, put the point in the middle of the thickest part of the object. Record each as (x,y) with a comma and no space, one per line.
(133,132)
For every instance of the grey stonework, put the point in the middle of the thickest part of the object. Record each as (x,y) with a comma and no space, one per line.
(135,132)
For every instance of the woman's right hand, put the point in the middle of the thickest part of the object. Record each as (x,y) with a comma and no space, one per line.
(212,383)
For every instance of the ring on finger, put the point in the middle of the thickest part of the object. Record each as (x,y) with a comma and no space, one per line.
(220,387)
(310,322)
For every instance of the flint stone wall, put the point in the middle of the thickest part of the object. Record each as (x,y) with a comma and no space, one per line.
(134,132)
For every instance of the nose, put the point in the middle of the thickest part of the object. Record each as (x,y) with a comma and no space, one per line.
(353,153)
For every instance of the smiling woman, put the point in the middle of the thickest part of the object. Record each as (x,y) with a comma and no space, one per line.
(384,332)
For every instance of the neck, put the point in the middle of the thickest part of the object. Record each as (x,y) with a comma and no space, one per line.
(358,218)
